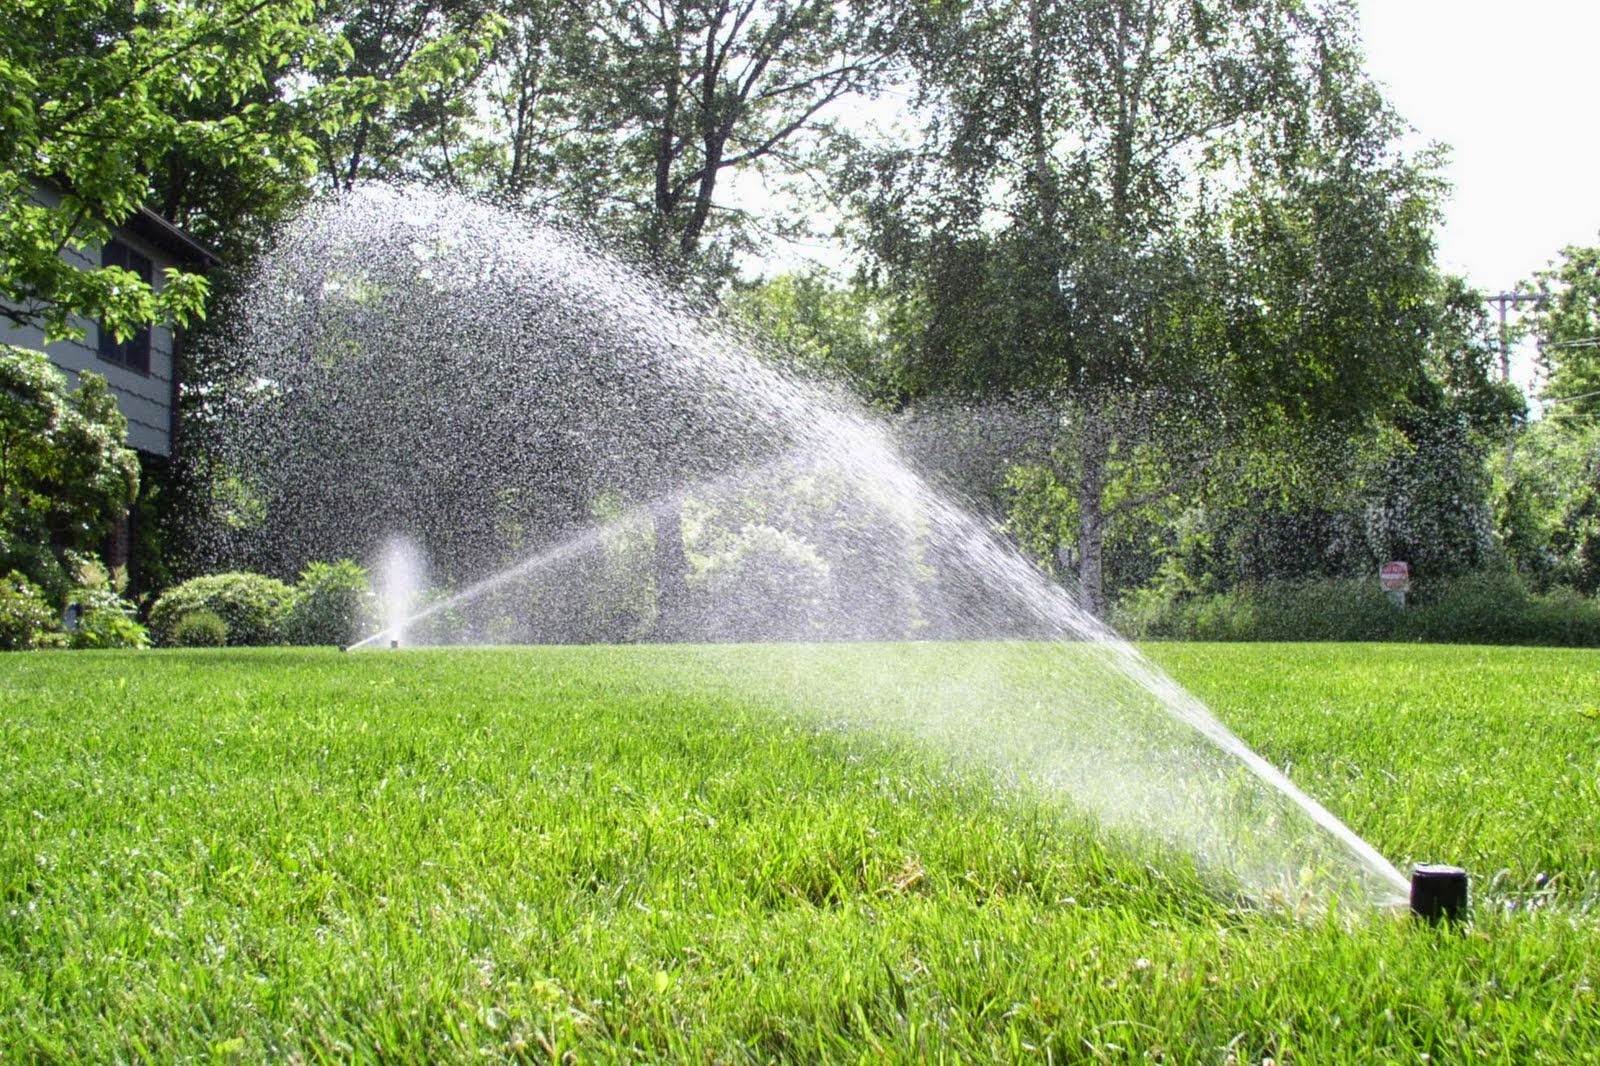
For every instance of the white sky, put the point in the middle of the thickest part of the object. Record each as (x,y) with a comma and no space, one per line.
(1512,89)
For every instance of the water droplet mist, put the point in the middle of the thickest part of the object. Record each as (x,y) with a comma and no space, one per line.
(580,457)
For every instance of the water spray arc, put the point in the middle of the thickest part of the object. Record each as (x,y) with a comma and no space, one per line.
(584,383)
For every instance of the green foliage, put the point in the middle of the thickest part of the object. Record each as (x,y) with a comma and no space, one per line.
(1548,511)
(101,617)
(771,563)
(619,600)
(106,620)
(411,66)
(98,93)
(65,474)
(764,583)
(1187,228)
(252,606)
(633,121)
(1463,362)
(1429,503)
(1041,509)
(1567,326)
(333,603)
(1486,607)
(215,107)
(1497,608)
(200,628)
(26,616)
(1331,609)
(836,333)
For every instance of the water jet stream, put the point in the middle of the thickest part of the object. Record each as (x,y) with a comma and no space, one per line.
(580,543)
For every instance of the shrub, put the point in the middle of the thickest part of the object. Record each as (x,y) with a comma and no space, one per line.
(107,621)
(1339,609)
(26,618)
(333,604)
(1482,608)
(1333,609)
(1497,608)
(104,618)
(252,606)
(68,470)
(200,629)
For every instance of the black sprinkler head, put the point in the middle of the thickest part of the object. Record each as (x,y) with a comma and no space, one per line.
(394,644)
(1439,892)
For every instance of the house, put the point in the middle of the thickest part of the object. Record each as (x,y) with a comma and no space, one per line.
(144,370)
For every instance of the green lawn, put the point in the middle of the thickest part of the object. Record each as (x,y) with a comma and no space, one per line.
(636,853)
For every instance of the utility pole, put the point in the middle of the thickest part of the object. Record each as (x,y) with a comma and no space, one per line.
(1503,301)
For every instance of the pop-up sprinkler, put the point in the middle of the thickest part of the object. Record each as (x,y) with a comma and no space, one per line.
(1439,892)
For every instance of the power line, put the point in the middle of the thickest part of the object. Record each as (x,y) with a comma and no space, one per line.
(1568,399)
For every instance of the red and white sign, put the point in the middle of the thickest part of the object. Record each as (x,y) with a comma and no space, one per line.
(1395,577)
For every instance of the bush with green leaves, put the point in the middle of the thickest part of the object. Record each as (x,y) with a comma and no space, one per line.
(200,629)
(26,617)
(106,620)
(67,471)
(1335,609)
(1487,607)
(252,606)
(333,604)
(1497,608)
(764,584)
(103,618)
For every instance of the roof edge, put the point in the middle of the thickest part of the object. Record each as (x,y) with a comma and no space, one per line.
(156,229)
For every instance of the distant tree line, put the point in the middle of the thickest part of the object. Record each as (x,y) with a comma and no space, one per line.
(1175,248)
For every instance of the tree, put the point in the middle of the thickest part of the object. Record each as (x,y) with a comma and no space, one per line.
(839,334)
(411,66)
(1417,487)
(662,103)
(1548,508)
(658,105)
(524,153)
(1548,502)
(1567,326)
(1183,225)
(96,94)
(65,473)
(209,109)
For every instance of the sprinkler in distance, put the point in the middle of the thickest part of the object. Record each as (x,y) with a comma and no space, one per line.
(1439,892)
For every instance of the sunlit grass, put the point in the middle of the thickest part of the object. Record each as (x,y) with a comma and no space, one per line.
(522,853)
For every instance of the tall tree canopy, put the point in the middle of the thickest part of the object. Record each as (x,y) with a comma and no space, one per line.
(413,65)
(209,109)
(635,115)
(1182,222)
(1567,326)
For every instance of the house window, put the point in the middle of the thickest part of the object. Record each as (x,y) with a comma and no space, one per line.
(134,352)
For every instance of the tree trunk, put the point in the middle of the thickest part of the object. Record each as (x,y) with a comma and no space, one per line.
(1092,517)
(672,575)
